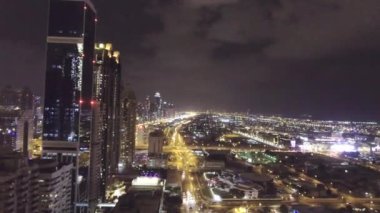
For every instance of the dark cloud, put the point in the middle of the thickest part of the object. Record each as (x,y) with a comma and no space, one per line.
(269,56)
(207,17)
(229,50)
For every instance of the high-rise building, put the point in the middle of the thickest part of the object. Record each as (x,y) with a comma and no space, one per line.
(54,187)
(158,105)
(17,180)
(128,129)
(24,134)
(156,142)
(33,186)
(147,110)
(69,85)
(69,75)
(107,71)
(38,116)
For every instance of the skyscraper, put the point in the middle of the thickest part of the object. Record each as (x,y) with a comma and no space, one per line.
(107,71)
(158,104)
(128,129)
(69,76)
(147,112)
(156,142)
(69,84)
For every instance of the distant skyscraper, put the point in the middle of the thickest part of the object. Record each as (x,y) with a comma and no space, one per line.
(107,71)
(69,84)
(158,104)
(128,128)
(38,116)
(147,106)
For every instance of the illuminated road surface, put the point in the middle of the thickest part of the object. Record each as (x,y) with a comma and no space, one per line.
(183,159)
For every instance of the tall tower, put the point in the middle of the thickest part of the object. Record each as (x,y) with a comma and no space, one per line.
(128,129)
(107,71)
(158,104)
(69,81)
(147,111)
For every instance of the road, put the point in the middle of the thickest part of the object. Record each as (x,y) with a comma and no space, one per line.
(184,160)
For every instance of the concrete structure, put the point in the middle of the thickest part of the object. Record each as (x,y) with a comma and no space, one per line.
(18,183)
(55,185)
(156,142)
(33,186)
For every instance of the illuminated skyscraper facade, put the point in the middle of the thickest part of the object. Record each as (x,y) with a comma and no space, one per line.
(128,129)
(107,71)
(157,105)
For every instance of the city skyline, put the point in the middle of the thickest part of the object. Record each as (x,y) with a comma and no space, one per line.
(169,106)
(291,58)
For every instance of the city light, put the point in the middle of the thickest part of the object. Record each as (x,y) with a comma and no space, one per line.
(232,106)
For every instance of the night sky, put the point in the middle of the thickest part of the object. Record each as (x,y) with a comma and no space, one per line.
(289,57)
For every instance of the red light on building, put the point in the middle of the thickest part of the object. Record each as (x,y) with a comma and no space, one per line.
(93,102)
(81,101)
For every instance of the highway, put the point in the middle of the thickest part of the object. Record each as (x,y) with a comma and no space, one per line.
(183,159)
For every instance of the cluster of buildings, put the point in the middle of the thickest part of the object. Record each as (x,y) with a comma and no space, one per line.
(314,135)
(154,108)
(20,118)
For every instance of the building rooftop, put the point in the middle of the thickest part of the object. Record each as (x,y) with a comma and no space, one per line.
(156,133)
(139,200)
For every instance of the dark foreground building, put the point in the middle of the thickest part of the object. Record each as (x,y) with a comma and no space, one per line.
(69,82)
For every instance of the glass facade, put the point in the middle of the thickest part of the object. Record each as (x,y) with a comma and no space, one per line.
(68,87)
(62,92)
